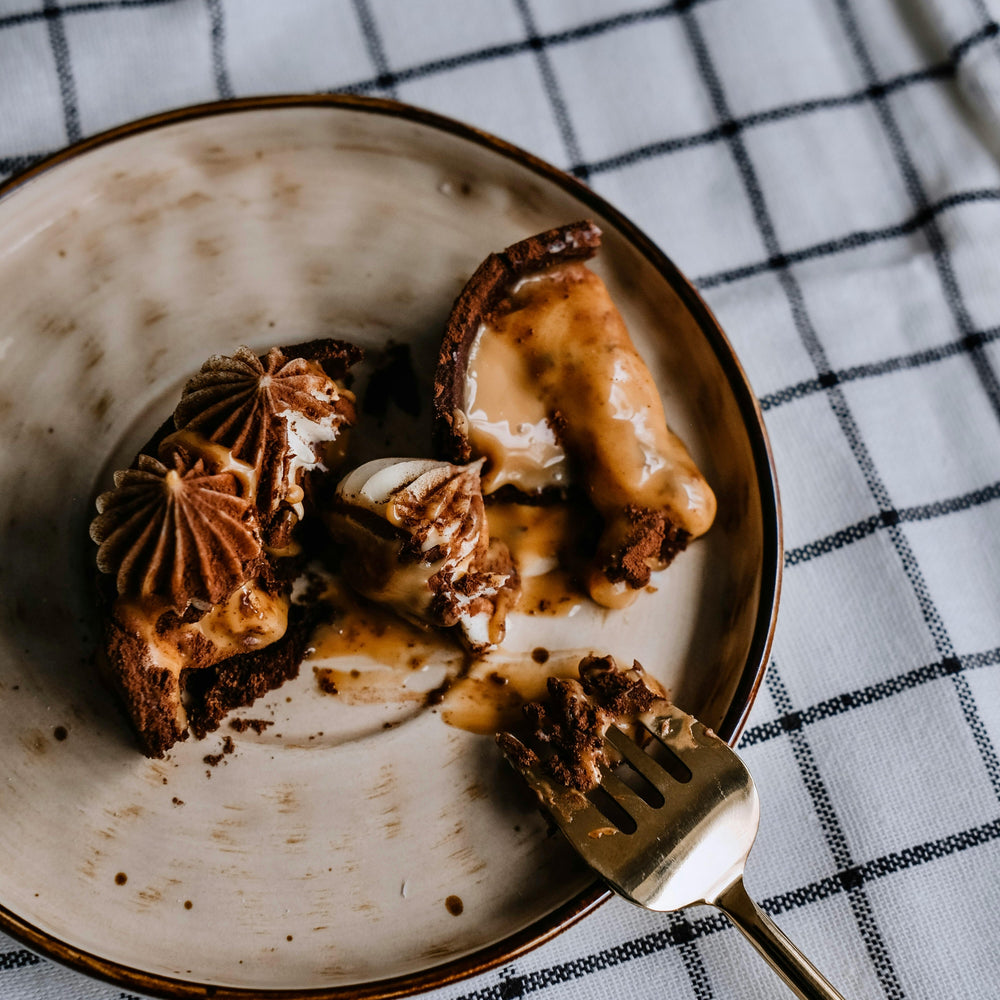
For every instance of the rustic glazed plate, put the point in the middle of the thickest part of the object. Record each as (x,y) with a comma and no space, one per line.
(327,855)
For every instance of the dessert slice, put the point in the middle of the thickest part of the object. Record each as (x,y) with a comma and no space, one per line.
(416,538)
(538,375)
(198,545)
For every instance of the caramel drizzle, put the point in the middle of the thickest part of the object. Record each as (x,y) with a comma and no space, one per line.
(556,364)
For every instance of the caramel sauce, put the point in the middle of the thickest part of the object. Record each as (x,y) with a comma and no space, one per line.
(248,620)
(380,653)
(491,695)
(289,551)
(564,346)
(508,422)
(544,540)
(535,534)
(364,629)
(215,456)
(557,593)
(555,368)
(394,648)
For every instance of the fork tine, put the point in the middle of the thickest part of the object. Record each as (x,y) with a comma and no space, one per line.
(629,799)
(585,826)
(681,733)
(639,760)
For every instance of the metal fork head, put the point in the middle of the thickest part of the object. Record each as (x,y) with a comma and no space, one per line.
(690,838)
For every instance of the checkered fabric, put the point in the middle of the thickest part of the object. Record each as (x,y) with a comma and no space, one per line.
(828,172)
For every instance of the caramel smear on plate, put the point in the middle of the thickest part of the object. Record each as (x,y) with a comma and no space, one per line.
(543,540)
(384,652)
(367,685)
(491,695)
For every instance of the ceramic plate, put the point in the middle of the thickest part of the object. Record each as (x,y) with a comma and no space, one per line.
(327,854)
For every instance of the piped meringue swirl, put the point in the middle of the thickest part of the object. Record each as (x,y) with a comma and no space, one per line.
(417,540)
(275,414)
(439,506)
(181,533)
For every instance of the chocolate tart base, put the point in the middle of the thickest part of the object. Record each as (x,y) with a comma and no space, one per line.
(210,688)
(484,291)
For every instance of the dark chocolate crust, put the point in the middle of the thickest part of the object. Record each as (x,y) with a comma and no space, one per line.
(335,356)
(483,292)
(238,682)
(150,694)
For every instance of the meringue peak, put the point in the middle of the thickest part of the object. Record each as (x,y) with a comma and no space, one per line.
(181,533)
(274,413)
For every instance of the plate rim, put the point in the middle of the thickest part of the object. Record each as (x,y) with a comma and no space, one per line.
(585,902)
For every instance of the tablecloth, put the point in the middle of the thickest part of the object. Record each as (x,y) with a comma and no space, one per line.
(827,173)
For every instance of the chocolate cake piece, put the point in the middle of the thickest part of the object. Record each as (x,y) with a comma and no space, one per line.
(199,544)
(416,538)
(239,681)
(538,375)
(565,733)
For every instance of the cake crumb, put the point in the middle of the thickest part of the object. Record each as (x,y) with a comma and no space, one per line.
(228,746)
(326,683)
(257,725)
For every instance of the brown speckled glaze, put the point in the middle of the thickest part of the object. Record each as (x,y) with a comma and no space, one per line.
(126,260)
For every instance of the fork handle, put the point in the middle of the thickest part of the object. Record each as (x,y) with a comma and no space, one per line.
(765,935)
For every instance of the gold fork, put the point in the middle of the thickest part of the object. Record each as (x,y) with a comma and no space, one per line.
(679,836)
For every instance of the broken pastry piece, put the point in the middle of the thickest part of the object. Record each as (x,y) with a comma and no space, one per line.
(565,733)
(198,544)
(416,538)
(538,375)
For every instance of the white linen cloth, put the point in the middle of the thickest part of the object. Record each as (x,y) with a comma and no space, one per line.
(827,172)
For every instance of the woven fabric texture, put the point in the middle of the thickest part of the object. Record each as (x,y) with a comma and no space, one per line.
(826,172)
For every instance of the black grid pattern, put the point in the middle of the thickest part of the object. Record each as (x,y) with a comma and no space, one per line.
(848,876)
(222,83)
(385,80)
